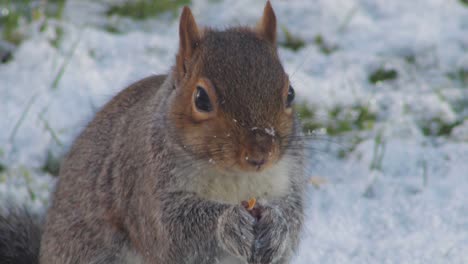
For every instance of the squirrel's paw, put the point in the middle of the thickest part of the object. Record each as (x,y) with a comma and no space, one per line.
(236,232)
(271,236)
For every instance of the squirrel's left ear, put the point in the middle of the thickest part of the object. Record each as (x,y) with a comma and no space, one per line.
(267,25)
(189,39)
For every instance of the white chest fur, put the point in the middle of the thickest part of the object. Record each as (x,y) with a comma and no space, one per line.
(234,187)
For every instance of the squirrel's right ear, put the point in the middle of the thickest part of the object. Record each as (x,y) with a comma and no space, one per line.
(267,24)
(189,39)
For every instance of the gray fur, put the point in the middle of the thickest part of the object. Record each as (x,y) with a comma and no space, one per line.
(235,232)
(20,234)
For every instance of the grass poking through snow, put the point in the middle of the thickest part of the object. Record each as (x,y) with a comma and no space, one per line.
(143,9)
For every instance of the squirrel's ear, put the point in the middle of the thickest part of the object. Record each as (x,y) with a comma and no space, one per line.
(189,38)
(267,25)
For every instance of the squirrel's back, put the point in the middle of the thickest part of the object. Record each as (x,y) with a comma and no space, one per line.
(21,230)
(91,166)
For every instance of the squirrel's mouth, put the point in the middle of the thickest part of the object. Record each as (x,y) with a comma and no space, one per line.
(254,163)
(246,163)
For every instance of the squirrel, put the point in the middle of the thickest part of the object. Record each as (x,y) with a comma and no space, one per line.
(161,172)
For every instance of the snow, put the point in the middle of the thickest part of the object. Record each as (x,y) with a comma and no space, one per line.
(414,211)
(396,196)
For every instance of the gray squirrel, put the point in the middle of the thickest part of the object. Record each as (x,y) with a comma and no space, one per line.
(162,172)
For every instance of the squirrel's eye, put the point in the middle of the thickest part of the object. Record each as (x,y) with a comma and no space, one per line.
(202,100)
(291,95)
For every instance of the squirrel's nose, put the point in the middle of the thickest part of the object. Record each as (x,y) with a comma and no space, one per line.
(256,154)
(256,162)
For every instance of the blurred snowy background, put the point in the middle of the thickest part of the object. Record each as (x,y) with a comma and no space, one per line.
(382,86)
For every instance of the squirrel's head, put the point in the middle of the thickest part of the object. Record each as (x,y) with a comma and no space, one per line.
(233,100)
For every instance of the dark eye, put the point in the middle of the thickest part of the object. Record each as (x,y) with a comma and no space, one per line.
(202,100)
(291,95)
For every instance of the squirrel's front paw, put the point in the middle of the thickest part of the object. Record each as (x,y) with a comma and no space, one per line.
(271,236)
(236,232)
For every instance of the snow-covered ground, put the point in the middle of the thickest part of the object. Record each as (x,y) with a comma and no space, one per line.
(389,167)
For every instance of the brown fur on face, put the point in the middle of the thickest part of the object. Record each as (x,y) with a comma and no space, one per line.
(242,69)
